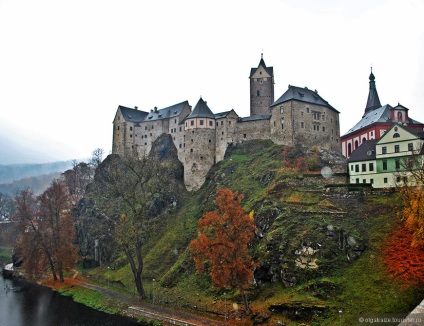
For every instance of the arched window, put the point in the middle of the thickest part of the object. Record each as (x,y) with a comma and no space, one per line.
(400,116)
(356,144)
(349,149)
(364,139)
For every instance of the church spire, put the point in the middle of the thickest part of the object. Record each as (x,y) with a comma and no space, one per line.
(373,101)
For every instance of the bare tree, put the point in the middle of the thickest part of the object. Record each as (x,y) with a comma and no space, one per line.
(131,187)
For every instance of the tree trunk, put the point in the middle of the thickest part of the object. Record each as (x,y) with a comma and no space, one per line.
(136,271)
(246,303)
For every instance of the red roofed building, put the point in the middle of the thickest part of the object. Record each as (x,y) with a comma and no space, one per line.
(377,119)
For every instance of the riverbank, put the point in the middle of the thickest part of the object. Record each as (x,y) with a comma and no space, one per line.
(108,300)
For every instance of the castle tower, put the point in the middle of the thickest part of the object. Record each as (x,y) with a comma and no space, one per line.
(199,145)
(373,101)
(261,88)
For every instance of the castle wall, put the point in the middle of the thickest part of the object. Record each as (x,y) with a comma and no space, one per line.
(255,129)
(123,140)
(147,133)
(226,133)
(305,124)
(199,156)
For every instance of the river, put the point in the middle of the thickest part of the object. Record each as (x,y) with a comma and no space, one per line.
(24,303)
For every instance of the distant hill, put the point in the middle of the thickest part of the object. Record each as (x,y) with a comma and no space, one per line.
(14,172)
(37,184)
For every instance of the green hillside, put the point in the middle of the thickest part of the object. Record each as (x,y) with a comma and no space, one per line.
(318,245)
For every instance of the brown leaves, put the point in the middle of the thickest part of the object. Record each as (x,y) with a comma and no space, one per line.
(403,261)
(222,242)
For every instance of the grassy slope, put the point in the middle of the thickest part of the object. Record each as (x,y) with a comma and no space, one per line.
(362,286)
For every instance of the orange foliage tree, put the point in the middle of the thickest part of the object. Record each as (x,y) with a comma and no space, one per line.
(413,213)
(222,244)
(403,261)
(46,231)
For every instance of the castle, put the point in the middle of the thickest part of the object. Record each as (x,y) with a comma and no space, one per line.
(299,117)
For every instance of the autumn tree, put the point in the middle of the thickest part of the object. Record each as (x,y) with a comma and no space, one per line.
(403,261)
(222,244)
(46,231)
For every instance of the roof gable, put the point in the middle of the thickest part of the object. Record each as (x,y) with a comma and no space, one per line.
(399,133)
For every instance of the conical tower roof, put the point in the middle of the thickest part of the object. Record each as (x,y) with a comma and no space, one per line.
(373,101)
(201,110)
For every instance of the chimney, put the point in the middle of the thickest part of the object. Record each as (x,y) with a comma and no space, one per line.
(136,107)
(156,109)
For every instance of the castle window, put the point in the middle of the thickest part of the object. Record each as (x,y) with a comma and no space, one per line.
(172,130)
(258,93)
(145,127)
(217,123)
(357,180)
(364,167)
(410,147)
(396,135)
(356,167)
(186,124)
(152,126)
(371,181)
(397,164)
(201,122)
(180,128)
(301,113)
(130,136)
(150,134)
(145,144)
(192,123)
(210,141)
(302,125)
(175,120)
(191,150)
(396,148)
(307,110)
(210,123)
(192,132)
(281,109)
(315,127)
(318,128)
(222,132)
(244,135)
(181,145)
(201,157)
(385,180)
(222,123)
(323,128)
(385,165)
(274,123)
(191,140)
(371,166)
(118,127)
(229,122)
(261,81)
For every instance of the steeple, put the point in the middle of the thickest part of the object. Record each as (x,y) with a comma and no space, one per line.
(373,101)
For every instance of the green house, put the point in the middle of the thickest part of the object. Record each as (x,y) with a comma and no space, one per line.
(389,161)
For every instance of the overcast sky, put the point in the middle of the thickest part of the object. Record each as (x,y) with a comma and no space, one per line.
(65,66)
